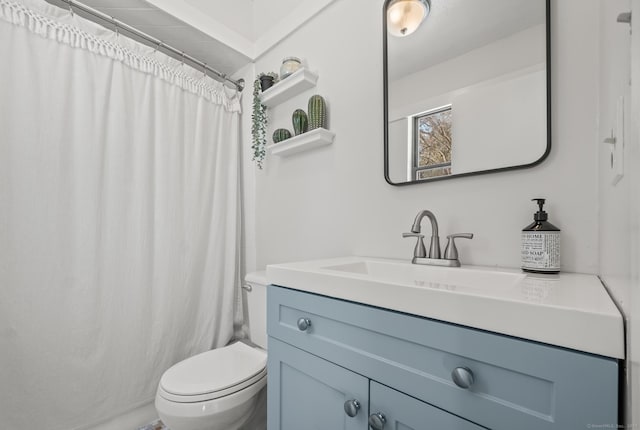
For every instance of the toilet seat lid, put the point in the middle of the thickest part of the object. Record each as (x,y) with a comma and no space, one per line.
(214,370)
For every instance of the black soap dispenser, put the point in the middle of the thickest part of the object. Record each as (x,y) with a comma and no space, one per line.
(541,244)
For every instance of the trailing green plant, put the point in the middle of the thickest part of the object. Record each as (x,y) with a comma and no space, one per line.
(259,121)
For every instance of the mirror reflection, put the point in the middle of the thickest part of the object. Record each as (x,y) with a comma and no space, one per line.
(466,87)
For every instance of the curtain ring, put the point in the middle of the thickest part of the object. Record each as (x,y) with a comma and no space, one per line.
(182,61)
(158,46)
(70,3)
(204,71)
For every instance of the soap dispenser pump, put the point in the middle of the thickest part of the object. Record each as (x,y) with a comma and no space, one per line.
(541,244)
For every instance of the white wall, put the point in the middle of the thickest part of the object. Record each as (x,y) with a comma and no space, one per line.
(276,19)
(500,124)
(618,223)
(334,200)
(269,13)
(633,315)
(512,54)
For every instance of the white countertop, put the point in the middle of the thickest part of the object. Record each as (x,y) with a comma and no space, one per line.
(570,310)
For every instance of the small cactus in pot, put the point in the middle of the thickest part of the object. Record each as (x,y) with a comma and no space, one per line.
(281,134)
(317,112)
(300,121)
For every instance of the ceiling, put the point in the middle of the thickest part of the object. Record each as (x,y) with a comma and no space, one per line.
(269,13)
(224,34)
(170,30)
(455,27)
(230,34)
(236,14)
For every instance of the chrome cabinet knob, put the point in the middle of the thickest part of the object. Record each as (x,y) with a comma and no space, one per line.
(377,421)
(463,377)
(351,407)
(304,324)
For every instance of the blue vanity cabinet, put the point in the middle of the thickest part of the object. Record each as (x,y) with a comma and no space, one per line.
(464,377)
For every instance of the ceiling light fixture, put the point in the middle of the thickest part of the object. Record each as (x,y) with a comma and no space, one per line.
(405,16)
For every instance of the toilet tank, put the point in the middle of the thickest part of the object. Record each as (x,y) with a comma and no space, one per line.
(256,293)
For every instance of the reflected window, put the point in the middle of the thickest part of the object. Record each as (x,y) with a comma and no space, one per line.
(432,143)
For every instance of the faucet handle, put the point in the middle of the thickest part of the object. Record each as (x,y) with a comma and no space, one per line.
(451,252)
(419,251)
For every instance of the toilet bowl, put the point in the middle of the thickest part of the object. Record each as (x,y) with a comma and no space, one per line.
(218,389)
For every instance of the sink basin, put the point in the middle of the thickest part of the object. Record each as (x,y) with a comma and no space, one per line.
(570,310)
(397,272)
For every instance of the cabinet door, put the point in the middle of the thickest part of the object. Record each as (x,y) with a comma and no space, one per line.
(308,393)
(402,412)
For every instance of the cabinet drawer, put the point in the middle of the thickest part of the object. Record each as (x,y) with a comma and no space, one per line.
(406,413)
(515,381)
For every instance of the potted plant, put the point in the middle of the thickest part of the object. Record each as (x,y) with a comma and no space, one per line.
(259,119)
(267,80)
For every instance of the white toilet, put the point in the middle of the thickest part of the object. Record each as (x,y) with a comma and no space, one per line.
(218,389)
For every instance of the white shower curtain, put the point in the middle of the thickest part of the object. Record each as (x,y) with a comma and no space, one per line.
(119,200)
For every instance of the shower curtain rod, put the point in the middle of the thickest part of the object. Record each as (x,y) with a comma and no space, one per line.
(239,84)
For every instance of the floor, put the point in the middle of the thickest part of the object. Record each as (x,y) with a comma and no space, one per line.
(156,425)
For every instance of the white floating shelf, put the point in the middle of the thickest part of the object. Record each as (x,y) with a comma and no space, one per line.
(303,142)
(292,85)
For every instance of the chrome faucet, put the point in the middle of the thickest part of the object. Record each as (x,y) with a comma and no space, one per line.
(434,258)
(434,246)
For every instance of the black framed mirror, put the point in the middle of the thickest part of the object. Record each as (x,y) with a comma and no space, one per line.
(466,87)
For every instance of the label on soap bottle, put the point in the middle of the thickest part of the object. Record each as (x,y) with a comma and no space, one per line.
(541,251)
